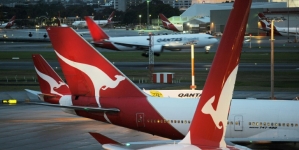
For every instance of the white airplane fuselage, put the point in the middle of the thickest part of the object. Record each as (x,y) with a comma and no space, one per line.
(83,23)
(160,42)
(249,119)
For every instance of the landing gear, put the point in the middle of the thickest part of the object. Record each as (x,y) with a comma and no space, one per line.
(145,54)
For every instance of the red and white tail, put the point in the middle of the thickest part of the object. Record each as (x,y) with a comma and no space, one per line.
(89,73)
(166,23)
(262,16)
(109,20)
(49,81)
(95,30)
(10,23)
(210,119)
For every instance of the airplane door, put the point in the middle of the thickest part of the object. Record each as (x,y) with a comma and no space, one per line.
(140,119)
(238,124)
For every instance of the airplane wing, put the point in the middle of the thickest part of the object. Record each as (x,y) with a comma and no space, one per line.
(108,143)
(99,109)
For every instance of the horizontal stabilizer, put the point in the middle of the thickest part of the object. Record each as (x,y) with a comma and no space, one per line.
(96,109)
(36,93)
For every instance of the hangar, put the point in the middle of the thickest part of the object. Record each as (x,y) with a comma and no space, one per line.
(202,17)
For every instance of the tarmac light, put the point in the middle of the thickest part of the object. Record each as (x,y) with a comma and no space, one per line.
(10,101)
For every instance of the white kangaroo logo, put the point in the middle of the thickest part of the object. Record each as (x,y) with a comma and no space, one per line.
(167,23)
(223,103)
(98,78)
(53,83)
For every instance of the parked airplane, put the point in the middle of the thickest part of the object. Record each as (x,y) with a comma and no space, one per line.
(161,42)
(247,119)
(101,92)
(170,26)
(8,24)
(98,22)
(282,31)
(208,125)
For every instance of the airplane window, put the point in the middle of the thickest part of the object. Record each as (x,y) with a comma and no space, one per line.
(171,121)
(148,120)
(158,121)
(182,121)
(271,124)
(250,123)
(154,121)
(283,124)
(291,124)
(189,121)
(174,121)
(268,124)
(168,121)
(296,125)
(185,121)
(279,124)
(261,124)
(257,124)
(287,124)
(165,121)
(151,120)
(253,123)
(276,124)
(228,123)
(264,123)
(231,122)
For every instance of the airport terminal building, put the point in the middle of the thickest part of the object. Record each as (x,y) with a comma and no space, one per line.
(202,17)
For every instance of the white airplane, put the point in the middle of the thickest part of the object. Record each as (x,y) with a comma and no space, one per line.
(8,24)
(282,31)
(101,92)
(160,43)
(170,26)
(247,120)
(98,22)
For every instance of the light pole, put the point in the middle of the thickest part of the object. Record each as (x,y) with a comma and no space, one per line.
(296,33)
(272,59)
(272,54)
(139,21)
(193,86)
(158,22)
(147,2)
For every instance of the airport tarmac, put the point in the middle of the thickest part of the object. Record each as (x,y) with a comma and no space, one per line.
(26,126)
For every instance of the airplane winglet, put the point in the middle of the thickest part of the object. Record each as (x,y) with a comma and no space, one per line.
(103,139)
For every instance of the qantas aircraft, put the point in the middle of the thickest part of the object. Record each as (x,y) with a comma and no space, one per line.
(168,25)
(161,42)
(208,126)
(101,92)
(248,120)
(98,22)
(282,31)
(8,24)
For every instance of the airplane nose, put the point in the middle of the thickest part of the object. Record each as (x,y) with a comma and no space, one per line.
(214,40)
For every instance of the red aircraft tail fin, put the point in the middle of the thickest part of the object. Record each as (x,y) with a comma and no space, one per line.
(109,20)
(214,103)
(49,81)
(88,72)
(97,33)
